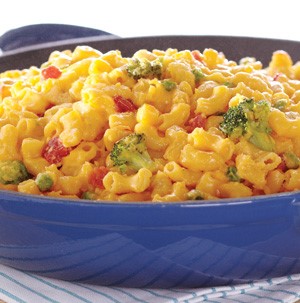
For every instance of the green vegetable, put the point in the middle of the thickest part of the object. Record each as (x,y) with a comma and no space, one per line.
(198,74)
(88,195)
(44,181)
(232,174)
(280,104)
(13,172)
(130,154)
(291,160)
(195,194)
(168,85)
(249,119)
(143,68)
(235,121)
(228,84)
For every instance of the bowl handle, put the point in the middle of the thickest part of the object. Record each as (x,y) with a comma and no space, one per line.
(42,33)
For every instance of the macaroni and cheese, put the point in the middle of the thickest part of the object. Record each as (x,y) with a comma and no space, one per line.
(159,126)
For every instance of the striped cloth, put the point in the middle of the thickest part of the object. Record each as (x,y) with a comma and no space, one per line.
(21,287)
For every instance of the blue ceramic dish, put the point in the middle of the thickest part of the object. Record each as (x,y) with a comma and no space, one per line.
(153,244)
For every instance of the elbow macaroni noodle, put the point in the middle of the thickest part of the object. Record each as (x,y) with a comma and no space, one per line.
(180,124)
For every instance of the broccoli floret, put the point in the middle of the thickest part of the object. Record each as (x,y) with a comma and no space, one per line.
(234,123)
(195,194)
(143,68)
(291,160)
(130,154)
(198,74)
(168,85)
(258,128)
(88,195)
(249,119)
(13,172)
(44,181)
(232,174)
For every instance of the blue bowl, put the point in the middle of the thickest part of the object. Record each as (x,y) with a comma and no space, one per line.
(153,244)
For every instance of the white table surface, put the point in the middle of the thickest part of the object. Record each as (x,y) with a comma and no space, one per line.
(260,18)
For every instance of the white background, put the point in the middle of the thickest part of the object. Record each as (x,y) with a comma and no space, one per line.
(264,18)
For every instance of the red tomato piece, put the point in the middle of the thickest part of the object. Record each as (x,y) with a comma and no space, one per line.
(282,165)
(124,105)
(51,72)
(54,151)
(197,55)
(197,121)
(97,176)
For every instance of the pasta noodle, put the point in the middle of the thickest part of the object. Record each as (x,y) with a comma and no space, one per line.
(161,126)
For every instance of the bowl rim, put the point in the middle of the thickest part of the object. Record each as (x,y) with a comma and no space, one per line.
(112,37)
(13,196)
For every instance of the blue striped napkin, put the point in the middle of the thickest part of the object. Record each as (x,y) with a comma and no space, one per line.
(21,287)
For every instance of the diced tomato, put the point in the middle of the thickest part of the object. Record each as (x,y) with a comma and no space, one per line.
(124,105)
(51,72)
(54,151)
(197,55)
(282,165)
(97,176)
(197,121)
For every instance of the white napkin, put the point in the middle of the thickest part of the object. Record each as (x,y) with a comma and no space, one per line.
(21,287)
